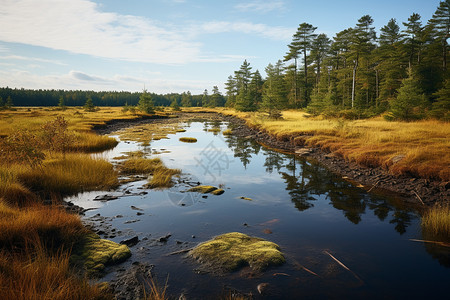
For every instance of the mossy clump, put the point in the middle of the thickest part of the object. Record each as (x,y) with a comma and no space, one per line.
(188,140)
(231,251)
(227,132)
(207,189)
(95,253)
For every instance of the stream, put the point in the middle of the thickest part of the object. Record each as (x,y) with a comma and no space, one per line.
(316,217)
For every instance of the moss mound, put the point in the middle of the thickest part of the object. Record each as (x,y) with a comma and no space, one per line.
(231,251)
(188,140)
(95,253)
(207,189)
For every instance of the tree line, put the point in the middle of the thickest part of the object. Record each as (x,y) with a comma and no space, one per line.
(28,97)
(357,73)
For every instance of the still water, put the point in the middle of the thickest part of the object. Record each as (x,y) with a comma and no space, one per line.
(293,202)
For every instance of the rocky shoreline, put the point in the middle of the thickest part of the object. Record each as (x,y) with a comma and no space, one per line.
(412,190)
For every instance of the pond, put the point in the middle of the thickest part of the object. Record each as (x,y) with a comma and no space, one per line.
(317,218)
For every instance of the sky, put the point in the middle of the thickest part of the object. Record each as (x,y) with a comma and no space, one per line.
(165,46)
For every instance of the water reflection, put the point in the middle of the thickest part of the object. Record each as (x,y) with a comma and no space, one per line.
(307,182)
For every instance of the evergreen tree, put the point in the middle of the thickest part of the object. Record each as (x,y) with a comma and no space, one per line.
(89,105)
(145,103)
(441,108)
(274,89)
(255,90)
(230,87)
(242,78)
(61,103)
(441,24)
(413,41)
(409,98)
(1,103)
(205,98)
(319,51)
(186,99)
(216,98)
(174,105)
(302,40)
(9,103)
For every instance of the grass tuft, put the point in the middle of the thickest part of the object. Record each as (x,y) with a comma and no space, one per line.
(188,140)
(436,222)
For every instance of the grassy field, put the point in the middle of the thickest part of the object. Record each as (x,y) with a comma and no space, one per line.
(420,149)
(44,159)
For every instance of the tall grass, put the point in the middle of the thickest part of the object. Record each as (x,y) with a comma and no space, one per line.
(436,222)
(47,226)
(39,276)
(69,174)
(422,147)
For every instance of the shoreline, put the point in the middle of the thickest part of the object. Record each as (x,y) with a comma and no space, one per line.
(412,190)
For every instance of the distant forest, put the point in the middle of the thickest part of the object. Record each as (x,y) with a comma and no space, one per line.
(25,97)
(402,73)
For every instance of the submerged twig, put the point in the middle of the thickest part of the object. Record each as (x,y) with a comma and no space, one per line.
(179,251)
(280,274)
(431,242)
(342,265)
(376,183)
(420,199)
(306,269)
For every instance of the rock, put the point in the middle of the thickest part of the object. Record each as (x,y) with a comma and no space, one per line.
(231,251)
(398,158)
(130,242)
(302,151)
(136,208)
(105,197)
(131,221)
(164,239)
(262,287)
(246,198)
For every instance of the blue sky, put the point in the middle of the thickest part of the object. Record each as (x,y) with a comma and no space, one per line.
(166,45)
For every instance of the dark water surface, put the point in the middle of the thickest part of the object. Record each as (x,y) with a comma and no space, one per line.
(295,203)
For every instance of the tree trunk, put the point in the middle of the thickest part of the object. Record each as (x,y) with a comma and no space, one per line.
(354,82)
(306,76)
(295,83)
(377,86)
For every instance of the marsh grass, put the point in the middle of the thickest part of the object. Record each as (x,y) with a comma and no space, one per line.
(188,139)
(423,145)
(45,226)
(436,222)
(40,276)
(160,175)
(69,174)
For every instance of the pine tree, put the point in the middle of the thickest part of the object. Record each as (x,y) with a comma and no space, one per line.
(1,103)
(408,100)
(205,98)
(89,105)
(441,23)
(441,108)
(145,103)
(319,51)
(174,105)
(274,89)
(9,103)
(413,41)
(61,103)
(242,78)
(216,98)
(186,99)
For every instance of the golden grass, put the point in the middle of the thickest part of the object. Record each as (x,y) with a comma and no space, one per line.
(227,132)
(423,146)
(47,226)
(436,222)
(188,139)
(162,177)
(70,174)
(39,276)
(156,292)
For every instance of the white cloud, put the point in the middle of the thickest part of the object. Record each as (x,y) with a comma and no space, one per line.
(35,59)
(275,33)
(78,26)
(261,6)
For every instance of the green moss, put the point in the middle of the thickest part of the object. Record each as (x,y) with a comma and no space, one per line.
(207,189)
(227,132)
(188,140)
(246,198)
(95,253)
(230,251)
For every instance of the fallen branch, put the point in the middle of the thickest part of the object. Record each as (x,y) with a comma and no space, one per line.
(179,252)
(376,183)
(431,242)
(342,265)
(306,269)
(419,198)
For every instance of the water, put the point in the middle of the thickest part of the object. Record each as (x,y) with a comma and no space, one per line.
(295,203)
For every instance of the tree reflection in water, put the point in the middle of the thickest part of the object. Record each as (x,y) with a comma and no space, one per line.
(307,181)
